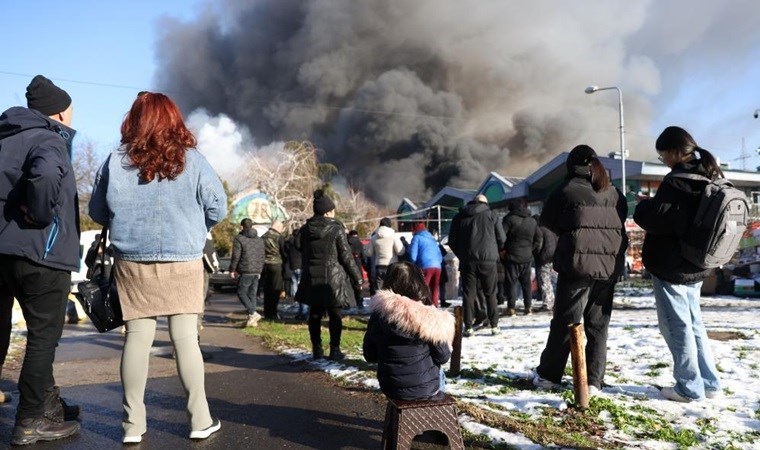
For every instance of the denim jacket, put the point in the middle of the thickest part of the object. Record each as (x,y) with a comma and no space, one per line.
(164,220)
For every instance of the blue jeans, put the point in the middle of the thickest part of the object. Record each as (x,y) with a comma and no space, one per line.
(295,279)
(248,286)
(680,320)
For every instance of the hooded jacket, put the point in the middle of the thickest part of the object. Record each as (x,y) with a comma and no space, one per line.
(424,251)
(476,235)
(330,275)
(247,253)
(522,236)
(385,246)
(36,175)
(590,228)
(409,341)
(665,217)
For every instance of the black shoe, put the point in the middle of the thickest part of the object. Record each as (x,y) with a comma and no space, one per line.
(336,354)
(56,408)
(29,431)
(317,353)
(445,304)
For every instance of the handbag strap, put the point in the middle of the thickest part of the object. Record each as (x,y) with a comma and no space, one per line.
(102,245)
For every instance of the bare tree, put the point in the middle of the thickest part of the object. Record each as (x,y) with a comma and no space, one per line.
(86,163)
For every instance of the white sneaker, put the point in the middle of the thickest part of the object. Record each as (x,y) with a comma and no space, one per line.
(713,394)
(593,391)
(253,320)
(132,439)
(671,394)
(542,383)
(203,434)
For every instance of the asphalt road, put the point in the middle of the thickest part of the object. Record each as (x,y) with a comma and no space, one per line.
(263,400)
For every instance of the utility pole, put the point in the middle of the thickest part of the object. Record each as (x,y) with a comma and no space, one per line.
(744,156)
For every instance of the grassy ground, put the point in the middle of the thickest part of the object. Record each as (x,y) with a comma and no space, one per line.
(569,429)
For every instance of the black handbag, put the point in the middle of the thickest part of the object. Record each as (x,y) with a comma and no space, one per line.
(99,296)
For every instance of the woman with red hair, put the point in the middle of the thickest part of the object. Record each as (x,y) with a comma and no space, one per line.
(159,197)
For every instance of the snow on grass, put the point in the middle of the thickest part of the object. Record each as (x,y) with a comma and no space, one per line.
(496,371)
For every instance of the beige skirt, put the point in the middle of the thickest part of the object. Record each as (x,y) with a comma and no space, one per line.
(150,289)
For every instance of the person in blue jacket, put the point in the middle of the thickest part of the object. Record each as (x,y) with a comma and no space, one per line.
(39,247)
(425,252)
(407,337)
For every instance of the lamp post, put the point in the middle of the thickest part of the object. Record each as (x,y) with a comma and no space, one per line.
(591,90)
(757,112)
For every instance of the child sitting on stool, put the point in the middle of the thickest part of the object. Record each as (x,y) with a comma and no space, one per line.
(407,337)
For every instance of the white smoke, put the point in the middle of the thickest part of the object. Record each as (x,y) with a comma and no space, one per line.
(228,146)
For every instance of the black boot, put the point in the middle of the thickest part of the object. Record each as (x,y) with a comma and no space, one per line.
(336,354)
(31,430)
(317,352)
(56,408)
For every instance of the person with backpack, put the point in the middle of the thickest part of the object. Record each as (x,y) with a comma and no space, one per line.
(670,221)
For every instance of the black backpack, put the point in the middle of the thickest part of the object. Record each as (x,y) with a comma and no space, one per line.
(718,225)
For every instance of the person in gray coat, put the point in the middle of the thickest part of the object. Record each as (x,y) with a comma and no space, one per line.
(246,264)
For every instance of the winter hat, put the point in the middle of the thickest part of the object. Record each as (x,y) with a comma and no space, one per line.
(581,155)
(419,226)
(46,97)
(322,203)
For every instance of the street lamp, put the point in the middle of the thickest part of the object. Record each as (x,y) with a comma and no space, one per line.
(591,90)
(757,112)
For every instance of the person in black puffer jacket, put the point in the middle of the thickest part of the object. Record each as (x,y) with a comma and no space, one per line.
(330,277)
(407,336)
(246,264)
(522,239)
(588,215)
(677,282)
(475,237)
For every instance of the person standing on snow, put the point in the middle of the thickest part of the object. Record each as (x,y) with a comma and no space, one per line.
(588,215)
(677,282)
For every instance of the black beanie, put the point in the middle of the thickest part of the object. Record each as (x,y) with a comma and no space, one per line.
(322,203)
(581,155)
(45,97)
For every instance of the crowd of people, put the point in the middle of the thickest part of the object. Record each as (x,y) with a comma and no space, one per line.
(163,255)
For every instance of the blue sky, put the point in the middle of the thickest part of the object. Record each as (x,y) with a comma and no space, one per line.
(108,43)
(102,53)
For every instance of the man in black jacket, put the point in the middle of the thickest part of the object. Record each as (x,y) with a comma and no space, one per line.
(39,247)
(293,252)
(476,236)
(356,251)
(522,239)
(246,264)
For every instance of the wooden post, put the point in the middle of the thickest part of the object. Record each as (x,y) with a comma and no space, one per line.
(456,353)
(578,354)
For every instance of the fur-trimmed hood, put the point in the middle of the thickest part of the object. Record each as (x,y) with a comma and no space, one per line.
(414,318)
